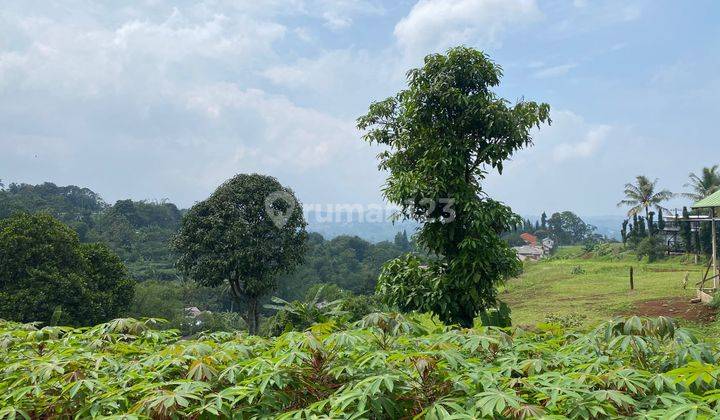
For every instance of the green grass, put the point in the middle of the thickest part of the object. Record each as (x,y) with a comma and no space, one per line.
(599,291)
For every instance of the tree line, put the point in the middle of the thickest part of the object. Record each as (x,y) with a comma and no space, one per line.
(644,229)
(564,228)
(139,233)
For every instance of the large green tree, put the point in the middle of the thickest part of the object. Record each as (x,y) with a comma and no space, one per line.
(644,195)
(566,228)
(246,233)
(441,136)
(44,269)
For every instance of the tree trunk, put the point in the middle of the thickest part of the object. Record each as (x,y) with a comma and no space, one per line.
(257,317)
(252,315)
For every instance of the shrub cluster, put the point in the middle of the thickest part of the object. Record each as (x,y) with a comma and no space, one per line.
(384,366)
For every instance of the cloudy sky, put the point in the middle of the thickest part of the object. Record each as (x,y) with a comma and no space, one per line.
(158,99)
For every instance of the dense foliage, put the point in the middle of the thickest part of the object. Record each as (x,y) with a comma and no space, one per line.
(323,302)
(639,232)
(180,301)
(138,231)
(566,228)
(47,275)
(441,136)
(385,366)
(235,238)
(349,262)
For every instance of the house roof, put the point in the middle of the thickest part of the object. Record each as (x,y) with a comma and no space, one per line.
(530,239)
(713,200)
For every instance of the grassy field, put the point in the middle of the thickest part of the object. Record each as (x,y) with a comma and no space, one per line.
(598,287)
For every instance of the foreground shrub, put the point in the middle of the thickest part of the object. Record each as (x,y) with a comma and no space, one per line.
(651,247)
(577,270)
(385,366)
(206,321)
(47,275)
(572,320)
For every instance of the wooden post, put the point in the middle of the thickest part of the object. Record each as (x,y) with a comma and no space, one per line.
(714,248)
(632,283)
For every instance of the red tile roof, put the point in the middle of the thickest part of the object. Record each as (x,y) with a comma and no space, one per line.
(530,239)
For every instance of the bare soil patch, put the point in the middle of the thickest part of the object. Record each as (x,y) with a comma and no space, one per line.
(670,270)
(675,307)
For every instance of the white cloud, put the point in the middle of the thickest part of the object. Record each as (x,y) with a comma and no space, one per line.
(569,158)
(554,71)
(334,21)
(570,137)
(339,14)
(164,101)
(294,137)
(588,145)
(330,69)
(96,58)
(433,25)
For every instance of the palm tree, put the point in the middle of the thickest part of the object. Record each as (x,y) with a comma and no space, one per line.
(642,195)
(702,186)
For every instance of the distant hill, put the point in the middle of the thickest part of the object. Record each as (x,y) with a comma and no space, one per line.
(368,228)
(606,225)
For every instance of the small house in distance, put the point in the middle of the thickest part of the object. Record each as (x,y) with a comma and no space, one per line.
(548,245)
(531,250)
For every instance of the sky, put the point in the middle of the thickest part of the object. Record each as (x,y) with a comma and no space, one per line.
(161,99)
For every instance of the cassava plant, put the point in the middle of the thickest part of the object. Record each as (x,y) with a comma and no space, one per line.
(384,366)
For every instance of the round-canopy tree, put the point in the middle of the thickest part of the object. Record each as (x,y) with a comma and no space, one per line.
(248,231)
(442,134)
(47,274)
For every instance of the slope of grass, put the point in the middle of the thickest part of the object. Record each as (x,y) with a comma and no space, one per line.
(596,286)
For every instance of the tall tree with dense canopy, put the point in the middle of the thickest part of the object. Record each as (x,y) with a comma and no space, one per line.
(708,182)
(44,269)
(243,237)
(567,228)
(441,136)
(644,195)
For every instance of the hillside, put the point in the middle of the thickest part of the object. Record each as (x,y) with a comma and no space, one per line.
(593,287)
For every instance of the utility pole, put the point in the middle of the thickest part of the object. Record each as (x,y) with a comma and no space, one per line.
(714,249)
